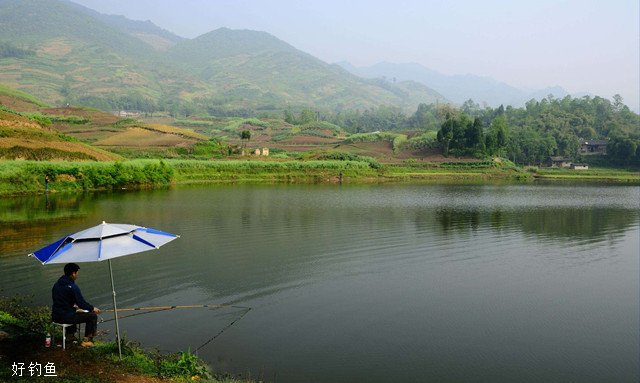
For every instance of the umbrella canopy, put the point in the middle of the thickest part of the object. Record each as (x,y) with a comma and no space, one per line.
(104,242)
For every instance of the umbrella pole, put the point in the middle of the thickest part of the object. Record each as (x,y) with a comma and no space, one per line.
(115,311)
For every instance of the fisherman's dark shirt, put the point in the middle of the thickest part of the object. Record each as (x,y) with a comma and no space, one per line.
(65,294)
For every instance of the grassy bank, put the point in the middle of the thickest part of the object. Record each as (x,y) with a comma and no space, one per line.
(480,170)
(25,177)
(22,333)
(28,177)
(593,174)
(313,171)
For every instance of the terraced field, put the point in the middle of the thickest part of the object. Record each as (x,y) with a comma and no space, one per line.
(139,137)
(30,129)
(21,138)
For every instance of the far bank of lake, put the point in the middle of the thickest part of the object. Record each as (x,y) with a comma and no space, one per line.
(33,177)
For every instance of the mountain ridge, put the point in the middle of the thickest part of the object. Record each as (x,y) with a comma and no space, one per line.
(83,57)
(457,88)
(146,31)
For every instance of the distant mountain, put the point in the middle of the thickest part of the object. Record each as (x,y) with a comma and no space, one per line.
(74,54)
(224,43)
(457,88)
(148,32)
(255,66)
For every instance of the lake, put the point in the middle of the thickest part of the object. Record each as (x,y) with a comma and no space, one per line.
(376,283)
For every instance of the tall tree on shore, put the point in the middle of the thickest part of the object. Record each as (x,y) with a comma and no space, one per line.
(245,135)
(476,136)
(445,134)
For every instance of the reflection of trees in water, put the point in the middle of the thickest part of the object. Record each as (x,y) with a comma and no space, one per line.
(497,220)
(25,220)
(587,223)
(450,219)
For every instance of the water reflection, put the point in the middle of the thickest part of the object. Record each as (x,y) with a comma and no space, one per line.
(571,224)
(451,219)
(25,221)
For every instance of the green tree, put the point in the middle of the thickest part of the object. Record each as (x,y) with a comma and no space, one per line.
(446,133)
(476,136)
(498,133)
(306,116)
(245,135)
(618,103)
(568,144)
(622,149)
(470,107)
(288,117)
(419,118)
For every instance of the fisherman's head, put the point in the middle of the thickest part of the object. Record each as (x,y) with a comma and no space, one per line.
(71,270)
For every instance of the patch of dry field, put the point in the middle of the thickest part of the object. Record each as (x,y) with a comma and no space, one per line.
(18,104)
(139,137)
(18,131)
(9,142)
(187,133)
(7,123)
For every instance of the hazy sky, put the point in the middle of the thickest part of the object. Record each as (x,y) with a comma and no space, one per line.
(582,45)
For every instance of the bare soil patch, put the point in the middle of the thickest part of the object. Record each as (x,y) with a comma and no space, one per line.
(18,104)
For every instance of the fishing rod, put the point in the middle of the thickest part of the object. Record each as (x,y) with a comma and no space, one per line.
(154,308)
(102,320)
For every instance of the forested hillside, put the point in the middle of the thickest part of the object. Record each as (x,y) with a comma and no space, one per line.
(527,135)
(550,127)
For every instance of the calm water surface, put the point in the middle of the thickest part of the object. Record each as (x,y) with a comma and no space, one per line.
(463,283)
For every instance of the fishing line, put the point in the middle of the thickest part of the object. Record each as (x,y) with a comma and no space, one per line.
(245,311)
(153,309)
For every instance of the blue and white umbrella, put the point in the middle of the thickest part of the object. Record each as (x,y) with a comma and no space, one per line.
(104,242)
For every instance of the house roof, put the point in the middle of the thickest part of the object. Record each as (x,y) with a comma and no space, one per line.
(594,142)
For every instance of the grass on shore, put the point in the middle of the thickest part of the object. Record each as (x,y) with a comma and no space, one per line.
(24,327)
(188,171)
(23,177)
(28,177)
(592,174)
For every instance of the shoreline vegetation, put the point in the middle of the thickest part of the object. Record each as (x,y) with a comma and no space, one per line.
(23,328)
(19,177)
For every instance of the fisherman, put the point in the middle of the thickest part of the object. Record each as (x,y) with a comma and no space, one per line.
(69,306)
